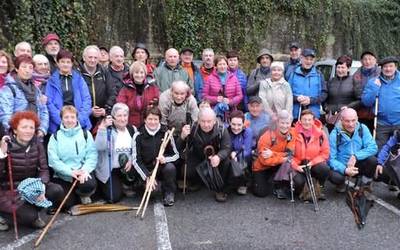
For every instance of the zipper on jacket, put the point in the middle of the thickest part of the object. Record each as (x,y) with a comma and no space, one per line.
(66,83)
(93,91)
(76,148)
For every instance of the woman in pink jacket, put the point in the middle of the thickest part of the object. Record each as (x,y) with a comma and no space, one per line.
(222,86)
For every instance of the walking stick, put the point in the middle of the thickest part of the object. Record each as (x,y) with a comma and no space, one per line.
(311,187)
(10,176)
(292,194)
(109,161)
(298,118)
(146,196)
(37,243)
(375,117)
(189,122)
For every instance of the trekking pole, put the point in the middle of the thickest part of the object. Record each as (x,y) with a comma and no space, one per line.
(110,162)
(375,116)
(46,229)
(292,194)
(10,176)
(298,117)
(185,169)
(311,187)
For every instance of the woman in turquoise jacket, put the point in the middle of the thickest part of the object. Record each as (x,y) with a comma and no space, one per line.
(72,155)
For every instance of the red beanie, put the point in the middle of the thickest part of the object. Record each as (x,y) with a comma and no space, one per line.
(49,37)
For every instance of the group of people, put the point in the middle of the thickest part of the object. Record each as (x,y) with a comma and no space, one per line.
(101,122)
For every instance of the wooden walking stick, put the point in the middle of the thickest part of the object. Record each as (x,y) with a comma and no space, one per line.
(146,196)
(10,177)
(37,243)
(375,116)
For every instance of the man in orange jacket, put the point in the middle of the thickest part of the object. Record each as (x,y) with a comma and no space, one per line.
(312,149)
(274,149)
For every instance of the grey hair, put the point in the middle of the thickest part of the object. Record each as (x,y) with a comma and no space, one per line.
(207,50)
(21,44)
(114,49)
(207,111)
(40,58)
(284,115)
(179,83)
(90,47)
(119,106)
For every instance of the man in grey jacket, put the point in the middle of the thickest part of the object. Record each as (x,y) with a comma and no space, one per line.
(264,59)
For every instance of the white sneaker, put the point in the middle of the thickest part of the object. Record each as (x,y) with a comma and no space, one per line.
(86,200)
(242,190)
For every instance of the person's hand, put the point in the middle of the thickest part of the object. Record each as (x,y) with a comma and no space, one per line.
(4,144)
(128,166)
(352,161)
(106,122)
(378,171)
(305,101)
(378,82)
(98,112)
(214,160)
(267,153)
(83,176)
(76,173)
(43,99)
(300,168)
(185,131)
(351,171)
(161,159)
(220,98)
(233,155)
(153,187)
(226,100)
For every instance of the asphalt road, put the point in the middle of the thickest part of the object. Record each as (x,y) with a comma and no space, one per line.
(243,222)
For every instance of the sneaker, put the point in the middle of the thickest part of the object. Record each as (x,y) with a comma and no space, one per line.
(169,199)
(281,193)
(242,190)
(38,223)
(340,188)
(128,191)
(221,196)
(3,224)
(322,195)
(85,200)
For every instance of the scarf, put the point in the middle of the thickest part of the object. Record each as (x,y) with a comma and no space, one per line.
(38,78)
(29,91)
(152,132)
(2,79)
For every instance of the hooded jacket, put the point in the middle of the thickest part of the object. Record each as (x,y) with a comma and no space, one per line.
(316,150)
(116,81)
(271,94)
(342,146)
(242,78)
(165,75)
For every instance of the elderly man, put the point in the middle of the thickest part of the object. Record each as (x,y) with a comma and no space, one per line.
(118,71)
(52,45)
(171,71)
(96,79)
(264,59)
(207,133)
(294,59)
(352,151)
(208,63)
(193,72)
(178,107)
(308,85)
(23,48)
(386,90)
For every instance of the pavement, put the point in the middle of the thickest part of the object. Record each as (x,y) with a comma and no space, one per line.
(197,221)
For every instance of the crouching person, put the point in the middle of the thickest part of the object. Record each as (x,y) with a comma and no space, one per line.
(72,155)
(274,150)
(145,151)
(209,147)
(115,139)
(312,150)
(389,161)
(30,174)
(352,151)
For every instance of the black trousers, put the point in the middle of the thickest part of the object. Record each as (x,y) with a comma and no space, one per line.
(167,175)
(116,181)
(365,167)
(86,189)
(263,181)
(28,213)
(319,172)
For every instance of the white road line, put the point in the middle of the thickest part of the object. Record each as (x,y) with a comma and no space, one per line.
(163,242)
(32,236)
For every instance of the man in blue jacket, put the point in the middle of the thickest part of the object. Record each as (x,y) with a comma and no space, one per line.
(352,151)
(233,67)
(386,88)
(308,85)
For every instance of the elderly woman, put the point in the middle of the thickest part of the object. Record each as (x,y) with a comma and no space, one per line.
(41,71)
(114,132)
(222,86)
(342,90)
(72,154)
(275,91)
(311,149)
(6,66)
(20,94)
(67,87)
(28,160)
(137,93)
(145,152)
(141,53)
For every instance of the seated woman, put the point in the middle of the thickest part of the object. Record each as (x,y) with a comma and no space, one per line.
(115,130)
(28,160)
(241,141)
(145,152)
(72,155)
(311,149)
(67,87)
(137,93)
(274,148)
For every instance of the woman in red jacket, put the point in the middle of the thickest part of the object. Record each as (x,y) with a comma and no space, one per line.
(222,86)
(137,93)
(312,149)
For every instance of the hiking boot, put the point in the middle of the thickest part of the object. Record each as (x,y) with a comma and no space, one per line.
(3,224)
(51,211)
(85,200)
(128,191)
(281,193)
(169,199)
(340,188)
(38,223)
(221,196)
(322,195)
(393,188)
(242,190)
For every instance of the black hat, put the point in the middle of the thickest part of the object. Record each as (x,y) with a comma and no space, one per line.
(140,46)
(294,45)
(389,59)
(103,48)
(255,98)
(367,52)
(308,52)
(185,50)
